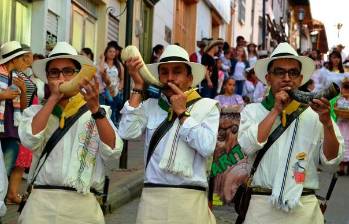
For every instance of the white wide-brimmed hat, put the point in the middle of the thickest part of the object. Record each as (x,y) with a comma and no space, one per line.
(284,50)
(175,54)
(61,50)
(10,50)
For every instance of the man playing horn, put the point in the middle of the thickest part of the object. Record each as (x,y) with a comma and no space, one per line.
(181,131)
(65,177)
(284,184)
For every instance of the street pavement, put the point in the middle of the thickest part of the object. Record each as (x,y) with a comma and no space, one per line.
(337,207)
(125,184)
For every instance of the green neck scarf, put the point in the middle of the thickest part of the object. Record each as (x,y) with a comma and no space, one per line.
(192,97)
(269,101)
(57,111)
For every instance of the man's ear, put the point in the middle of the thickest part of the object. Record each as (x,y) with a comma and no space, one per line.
(267,77)
(301,78)
(191,78)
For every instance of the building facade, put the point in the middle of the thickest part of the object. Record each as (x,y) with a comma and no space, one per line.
(92,23)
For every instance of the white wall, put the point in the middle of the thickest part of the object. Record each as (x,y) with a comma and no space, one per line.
(223,30)
(223,7)
(204,21)
(116,5)
(163,16)
(38,32)
(256,27)
(243,29)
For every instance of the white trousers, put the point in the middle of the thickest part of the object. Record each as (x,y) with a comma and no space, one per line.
(61,207)
(260,211)
(174,206)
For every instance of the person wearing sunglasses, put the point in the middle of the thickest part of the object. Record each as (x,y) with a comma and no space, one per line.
(285,180)
(72,171)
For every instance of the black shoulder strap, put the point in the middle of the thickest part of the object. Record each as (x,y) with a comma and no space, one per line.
(56,137)
(161,131)
(274,136)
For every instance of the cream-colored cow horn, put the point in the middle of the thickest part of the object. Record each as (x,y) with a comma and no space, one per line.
(72,87)
(132,52)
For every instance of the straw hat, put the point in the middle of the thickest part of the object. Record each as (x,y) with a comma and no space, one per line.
(175,54)
(284,50)
(212,44)
(202,43)
(10,50)
(61,50)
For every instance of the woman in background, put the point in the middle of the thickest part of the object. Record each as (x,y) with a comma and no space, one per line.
(111,75)
(252,54)
(334,73)
(238,66)
(87,52)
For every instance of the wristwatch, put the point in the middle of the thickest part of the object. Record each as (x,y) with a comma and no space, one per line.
(183,114)
(100,114)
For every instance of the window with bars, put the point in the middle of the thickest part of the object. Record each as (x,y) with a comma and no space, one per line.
(241,14)
(51,30)
(113,28)
(88,5)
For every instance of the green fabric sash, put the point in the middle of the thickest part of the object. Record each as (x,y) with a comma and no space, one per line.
(269,101)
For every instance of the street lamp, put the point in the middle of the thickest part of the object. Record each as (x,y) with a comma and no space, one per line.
(300,19)
(339,26)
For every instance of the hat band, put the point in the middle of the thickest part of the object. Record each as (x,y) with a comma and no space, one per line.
(58,54)
(282,54)
(173,58)
(11,53)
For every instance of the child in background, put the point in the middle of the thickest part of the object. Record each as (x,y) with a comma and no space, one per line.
(229,98)
(343,123)
(219,64)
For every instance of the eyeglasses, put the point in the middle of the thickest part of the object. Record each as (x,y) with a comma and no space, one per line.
(55,73)
(281,73)
(345,86)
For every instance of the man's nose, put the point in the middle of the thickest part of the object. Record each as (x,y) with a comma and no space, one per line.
(61,76)
(171,76)
(287,77)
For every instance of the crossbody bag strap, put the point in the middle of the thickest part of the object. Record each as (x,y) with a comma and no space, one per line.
(274,136)
(55,138)
(161,131)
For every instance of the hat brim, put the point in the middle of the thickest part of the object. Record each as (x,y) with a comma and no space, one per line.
(212,44)
(198,70)
(308,67)
(39,66)
(201,43)
(4,60)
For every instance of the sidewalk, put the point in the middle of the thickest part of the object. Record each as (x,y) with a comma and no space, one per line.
(125,184)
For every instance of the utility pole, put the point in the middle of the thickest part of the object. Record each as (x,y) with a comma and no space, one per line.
(127,81)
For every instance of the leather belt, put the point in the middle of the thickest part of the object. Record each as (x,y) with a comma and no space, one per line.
(265,191)
(54,187)
(191,187)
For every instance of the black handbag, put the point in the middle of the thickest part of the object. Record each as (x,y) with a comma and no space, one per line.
(243,194)
(51,143)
